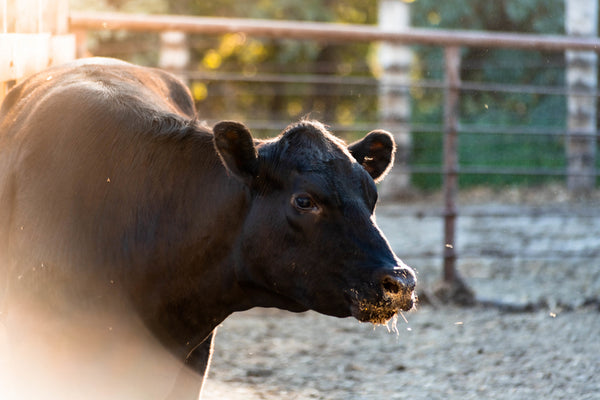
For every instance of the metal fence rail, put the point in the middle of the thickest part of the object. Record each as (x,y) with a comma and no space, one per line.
(327,32)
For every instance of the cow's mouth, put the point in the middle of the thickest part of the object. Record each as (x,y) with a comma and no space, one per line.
(383,309)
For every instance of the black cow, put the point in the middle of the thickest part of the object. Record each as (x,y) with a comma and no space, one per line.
(127,225)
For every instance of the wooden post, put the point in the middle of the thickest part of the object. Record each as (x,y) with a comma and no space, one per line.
(394,96)
(451,116)
(174,52)
(3,16)
(33,35)
(81,49)
(581,20)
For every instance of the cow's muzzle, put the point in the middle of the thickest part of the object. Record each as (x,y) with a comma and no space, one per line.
(394,291)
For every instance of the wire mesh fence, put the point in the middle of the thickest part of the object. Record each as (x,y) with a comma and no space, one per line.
(510,119)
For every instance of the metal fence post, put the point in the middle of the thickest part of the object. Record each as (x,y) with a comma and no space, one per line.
(451,112)
(581,19)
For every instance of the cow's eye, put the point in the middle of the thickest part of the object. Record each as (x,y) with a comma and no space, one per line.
(305,203)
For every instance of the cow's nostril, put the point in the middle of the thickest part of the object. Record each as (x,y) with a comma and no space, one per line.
(391,285)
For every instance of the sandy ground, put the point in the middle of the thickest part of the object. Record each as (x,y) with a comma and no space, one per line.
(449,353)
(522,251)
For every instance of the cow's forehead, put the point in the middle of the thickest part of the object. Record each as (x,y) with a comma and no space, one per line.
(309,143)
(307,154)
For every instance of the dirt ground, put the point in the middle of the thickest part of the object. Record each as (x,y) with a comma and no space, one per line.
(533,261)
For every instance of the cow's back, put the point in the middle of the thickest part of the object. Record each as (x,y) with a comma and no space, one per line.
(88,158)
(163,89)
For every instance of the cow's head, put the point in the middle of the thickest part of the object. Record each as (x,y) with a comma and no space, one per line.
(310,240)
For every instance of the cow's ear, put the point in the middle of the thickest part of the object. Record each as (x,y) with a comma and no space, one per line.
(235,146)
(375,152)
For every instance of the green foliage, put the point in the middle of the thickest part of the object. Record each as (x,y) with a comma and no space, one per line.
(493,108)
(541,16)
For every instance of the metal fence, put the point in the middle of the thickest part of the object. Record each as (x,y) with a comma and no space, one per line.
(451,85)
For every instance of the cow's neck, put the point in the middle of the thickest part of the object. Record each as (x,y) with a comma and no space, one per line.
(189,285)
